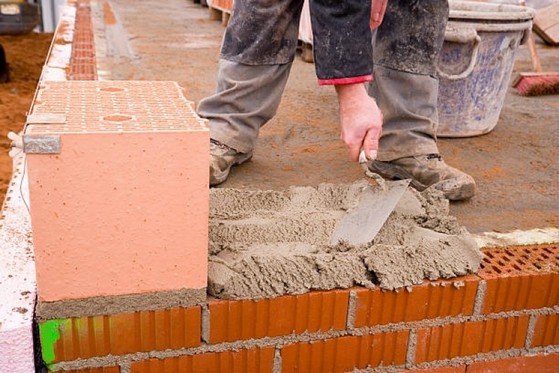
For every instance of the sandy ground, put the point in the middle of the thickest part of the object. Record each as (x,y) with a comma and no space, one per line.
(26,56)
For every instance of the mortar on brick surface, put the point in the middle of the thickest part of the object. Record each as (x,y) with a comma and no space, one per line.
(271,243)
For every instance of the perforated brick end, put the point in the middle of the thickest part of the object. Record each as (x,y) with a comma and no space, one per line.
(517,260)
(521,277)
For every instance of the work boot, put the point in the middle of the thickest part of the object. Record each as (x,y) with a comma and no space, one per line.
(425,171)
(222,158)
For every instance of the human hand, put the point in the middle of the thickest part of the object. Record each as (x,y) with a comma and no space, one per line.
(360,120)
(378,8)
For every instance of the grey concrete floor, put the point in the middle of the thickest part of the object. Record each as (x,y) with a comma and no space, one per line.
(516,165)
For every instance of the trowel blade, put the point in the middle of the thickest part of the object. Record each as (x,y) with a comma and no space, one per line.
(361,224)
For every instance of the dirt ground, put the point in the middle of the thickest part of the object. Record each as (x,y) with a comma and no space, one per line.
(26,55)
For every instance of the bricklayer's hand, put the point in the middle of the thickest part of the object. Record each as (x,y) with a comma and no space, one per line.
(360,120)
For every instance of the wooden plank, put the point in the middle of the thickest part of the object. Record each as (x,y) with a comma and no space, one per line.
(546,24)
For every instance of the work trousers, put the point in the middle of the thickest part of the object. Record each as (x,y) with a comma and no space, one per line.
(260,44)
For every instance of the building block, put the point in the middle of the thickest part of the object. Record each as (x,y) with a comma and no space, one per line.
(121,207)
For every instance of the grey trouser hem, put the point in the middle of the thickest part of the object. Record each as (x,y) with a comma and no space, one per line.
(247,97)
(408,102)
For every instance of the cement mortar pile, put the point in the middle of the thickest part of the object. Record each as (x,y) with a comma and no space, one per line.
(269,243)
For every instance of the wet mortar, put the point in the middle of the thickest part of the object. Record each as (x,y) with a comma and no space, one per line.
(269,243)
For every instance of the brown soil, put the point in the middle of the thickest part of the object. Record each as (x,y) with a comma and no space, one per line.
(26,55)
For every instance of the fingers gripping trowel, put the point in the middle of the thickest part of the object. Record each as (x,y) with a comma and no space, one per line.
(361,224)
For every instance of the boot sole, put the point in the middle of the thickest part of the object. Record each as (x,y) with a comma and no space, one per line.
(393,172)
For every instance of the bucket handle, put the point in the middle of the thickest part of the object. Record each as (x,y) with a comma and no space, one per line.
(464,36)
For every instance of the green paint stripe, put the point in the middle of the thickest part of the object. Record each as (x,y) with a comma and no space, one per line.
(49,333)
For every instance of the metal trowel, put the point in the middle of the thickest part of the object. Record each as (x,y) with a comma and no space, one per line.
(361,224)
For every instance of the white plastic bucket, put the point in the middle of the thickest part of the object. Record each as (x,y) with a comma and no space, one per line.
(476,63)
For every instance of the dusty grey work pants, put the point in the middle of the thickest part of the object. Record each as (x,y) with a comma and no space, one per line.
(405,51)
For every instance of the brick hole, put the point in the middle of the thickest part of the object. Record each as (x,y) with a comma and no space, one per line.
(117,118)
(112,89)
(497,269)
(489,255)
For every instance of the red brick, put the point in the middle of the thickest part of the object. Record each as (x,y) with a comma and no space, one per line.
(120,334)
(346,353)
(83,65)
(470,338)
(521,277)
(547,331)
(427,301)
(460,369)
(247,319)
(523,364)
(251,360)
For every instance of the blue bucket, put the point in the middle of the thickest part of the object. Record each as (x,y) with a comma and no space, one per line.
(476,63)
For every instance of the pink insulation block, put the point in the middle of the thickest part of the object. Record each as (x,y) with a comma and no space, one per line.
(118,189)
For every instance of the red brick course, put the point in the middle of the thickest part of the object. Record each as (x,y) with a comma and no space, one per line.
(246,319)
(345,354)
(522,277)
(522,364)
(427,301)
(470,338)
(252,360)
(547,331)
(83,64)
(127,333)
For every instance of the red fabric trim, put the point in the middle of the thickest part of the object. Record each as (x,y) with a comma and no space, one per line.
(352,80)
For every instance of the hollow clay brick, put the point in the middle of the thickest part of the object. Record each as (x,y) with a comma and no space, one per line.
(98,336)
(250,360)
(246,319)
(540,364)
(470,338)
(426,301)
(346,353)
(123,208)
(547,331)
(520,278)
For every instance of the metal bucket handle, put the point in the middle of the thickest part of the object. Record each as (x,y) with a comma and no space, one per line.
(462,35)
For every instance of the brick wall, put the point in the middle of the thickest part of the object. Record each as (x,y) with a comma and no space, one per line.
(504,319)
